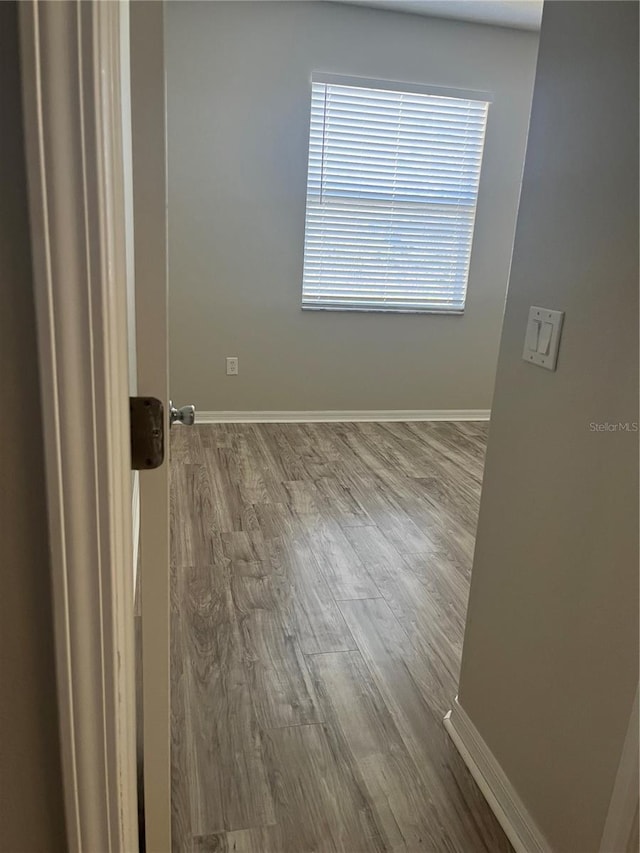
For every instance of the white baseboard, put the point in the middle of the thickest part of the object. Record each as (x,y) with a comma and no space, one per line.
(331,415)
(623,807)
(520,828)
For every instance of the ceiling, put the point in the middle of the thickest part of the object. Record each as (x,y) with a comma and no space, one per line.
(521,14)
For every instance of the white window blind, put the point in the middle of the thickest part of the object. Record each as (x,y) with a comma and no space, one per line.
(391,198)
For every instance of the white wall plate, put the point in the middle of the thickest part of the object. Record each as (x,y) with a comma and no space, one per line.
(542,337)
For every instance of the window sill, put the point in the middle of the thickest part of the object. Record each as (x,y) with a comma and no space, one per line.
(357,310)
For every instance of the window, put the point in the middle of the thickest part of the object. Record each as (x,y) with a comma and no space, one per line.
(391,197)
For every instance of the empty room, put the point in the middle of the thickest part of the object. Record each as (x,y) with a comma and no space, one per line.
(322,326)
(343,186)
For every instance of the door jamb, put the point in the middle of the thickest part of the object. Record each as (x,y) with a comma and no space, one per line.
(70,54)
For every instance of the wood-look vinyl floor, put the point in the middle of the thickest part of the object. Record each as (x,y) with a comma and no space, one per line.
(320,576)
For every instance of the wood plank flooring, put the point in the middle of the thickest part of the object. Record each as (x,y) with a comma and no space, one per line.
(320,576)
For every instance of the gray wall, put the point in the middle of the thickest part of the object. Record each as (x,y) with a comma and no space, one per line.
(31,807)
(550,660)
(238,123)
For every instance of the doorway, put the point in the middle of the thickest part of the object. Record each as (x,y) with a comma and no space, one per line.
(323,507)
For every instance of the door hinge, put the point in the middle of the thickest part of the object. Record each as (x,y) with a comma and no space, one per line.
(146,416)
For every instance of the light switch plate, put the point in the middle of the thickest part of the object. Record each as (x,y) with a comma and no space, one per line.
(542,337)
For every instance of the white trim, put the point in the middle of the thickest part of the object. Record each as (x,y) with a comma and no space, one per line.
(70,54)
(401,86)
(520,828)
(345,416)
(623,807)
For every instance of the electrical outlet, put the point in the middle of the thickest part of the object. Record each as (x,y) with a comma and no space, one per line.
(232,366)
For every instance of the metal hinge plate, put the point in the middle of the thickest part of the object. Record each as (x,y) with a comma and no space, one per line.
(146,416)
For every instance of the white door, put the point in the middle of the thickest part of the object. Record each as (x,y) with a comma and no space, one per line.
(148,133)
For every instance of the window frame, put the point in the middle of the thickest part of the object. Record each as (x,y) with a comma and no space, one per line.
(403,87)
